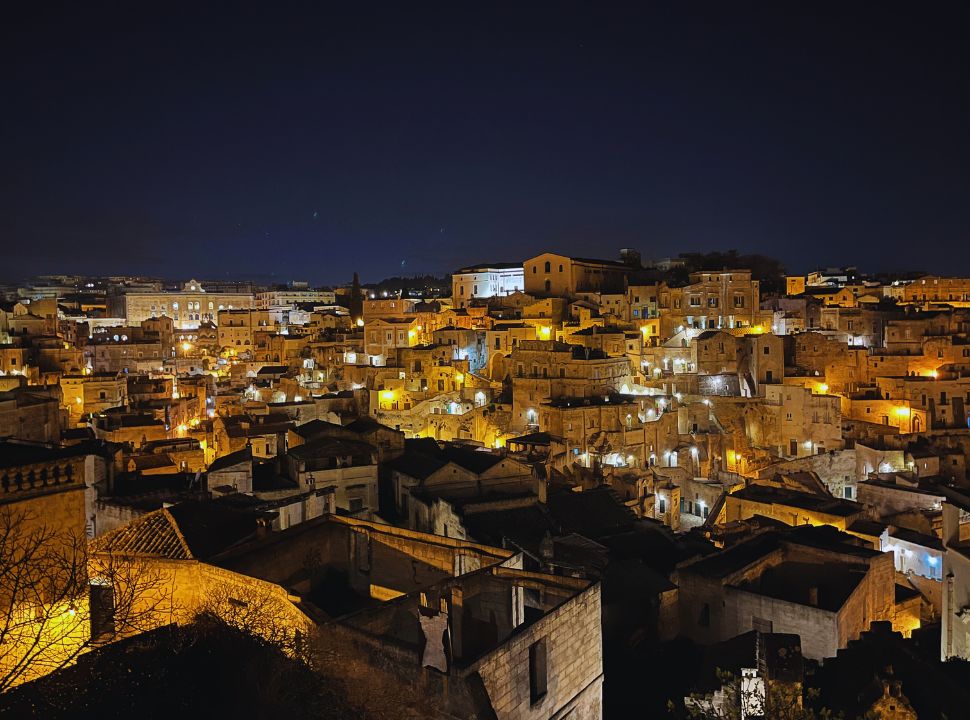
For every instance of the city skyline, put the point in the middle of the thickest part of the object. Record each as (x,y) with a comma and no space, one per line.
(523,361)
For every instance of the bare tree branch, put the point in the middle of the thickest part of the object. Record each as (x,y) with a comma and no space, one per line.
(47,582)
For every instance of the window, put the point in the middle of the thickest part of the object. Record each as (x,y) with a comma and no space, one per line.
(662,507)
(712,302)
(356,504)
(537,671)
(705,619)
(548,266)
(695,301)
(767,350)
(739,301)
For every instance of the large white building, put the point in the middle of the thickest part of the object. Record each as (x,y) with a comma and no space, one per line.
(485,281)
(187,307)
(293,296)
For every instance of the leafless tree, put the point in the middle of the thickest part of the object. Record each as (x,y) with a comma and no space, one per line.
(740,700)
(258,611)
(57,600)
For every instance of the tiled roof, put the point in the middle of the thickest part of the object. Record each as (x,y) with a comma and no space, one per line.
(153,535)
(232,459)
(186,531)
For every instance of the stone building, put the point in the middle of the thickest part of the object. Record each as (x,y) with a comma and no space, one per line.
(348,466)
(944,402)
(789,506)
(42,520)
(293,296)
(187,307)
(428,474)
(237,328)
(93,393)
(486,281)
(31,413)
(387,610)
(383,335)
(711,300)
(562,276)
(545,370)
(813,582)
(801,422)
(954,291)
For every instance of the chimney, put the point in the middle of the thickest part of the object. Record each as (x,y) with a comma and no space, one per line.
(547,547)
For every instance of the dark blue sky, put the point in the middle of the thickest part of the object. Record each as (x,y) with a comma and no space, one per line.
(309,142)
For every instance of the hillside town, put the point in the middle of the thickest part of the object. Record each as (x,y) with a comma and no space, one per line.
(552,487)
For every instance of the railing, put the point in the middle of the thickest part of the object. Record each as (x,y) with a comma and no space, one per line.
(33,479)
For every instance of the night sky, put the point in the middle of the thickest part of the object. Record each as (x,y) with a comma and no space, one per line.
(305,143)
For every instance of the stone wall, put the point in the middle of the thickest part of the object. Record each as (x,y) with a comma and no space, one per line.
(836,469)
(819,629)
(30,417)
(574,663)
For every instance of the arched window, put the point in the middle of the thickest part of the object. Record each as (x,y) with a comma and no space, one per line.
(560,268)
(548,286)
(548,266)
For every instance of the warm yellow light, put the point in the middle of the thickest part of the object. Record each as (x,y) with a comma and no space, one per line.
(186,346)
(387,395)
(459,378)
(360,322)
(419,328)
(78,400)
(934,374)
(902,411)
(195,422)
(823,388)
(545,331)
(183,428)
